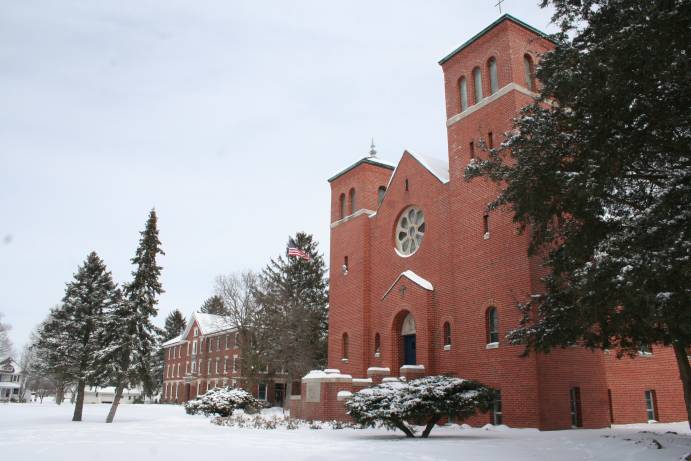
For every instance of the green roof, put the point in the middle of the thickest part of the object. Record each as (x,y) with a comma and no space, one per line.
(368,160)
(505,17)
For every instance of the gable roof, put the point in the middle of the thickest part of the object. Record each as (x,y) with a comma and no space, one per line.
(368,160)
(438,168)
(505,17)
(208,324)
(413,277)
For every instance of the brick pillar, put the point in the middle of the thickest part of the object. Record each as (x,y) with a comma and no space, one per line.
(377,374)
(412,371)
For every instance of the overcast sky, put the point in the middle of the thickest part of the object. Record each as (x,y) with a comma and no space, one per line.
(226,116)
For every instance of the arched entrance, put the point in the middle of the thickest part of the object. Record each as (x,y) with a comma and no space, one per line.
(408,340)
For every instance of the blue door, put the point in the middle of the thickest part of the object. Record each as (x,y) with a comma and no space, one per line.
(409,350)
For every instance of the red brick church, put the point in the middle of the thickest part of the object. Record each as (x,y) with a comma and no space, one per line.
(423,281)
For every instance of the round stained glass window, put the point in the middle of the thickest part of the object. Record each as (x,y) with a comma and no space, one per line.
(409,231)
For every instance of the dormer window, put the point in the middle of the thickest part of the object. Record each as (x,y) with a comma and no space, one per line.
(196,332)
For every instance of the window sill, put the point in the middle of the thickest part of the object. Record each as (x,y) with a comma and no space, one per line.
(344,360)
(447,347)
(492,345)
(645,354)
(377,355)
(486,236)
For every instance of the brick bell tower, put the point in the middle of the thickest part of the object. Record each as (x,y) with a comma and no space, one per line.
(356,193)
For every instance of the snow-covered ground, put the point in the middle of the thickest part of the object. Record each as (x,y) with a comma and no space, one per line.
(153,432)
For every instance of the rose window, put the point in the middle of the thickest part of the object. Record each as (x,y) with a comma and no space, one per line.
(410,231)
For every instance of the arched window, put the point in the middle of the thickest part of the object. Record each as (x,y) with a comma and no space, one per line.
(529,71)
(237,339)
(351,196)
(377,344)
(345,346)
(447,334)
(493,79)
(492,325)
(341,206)
(380,194)
(463,90)
(477,84)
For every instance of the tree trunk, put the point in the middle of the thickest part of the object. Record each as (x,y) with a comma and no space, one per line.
(116,401)
(430,426)
(288,392)
(684,374)
(402,426)
(59,394)
(79,405)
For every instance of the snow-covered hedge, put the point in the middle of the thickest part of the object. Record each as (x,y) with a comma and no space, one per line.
(424,401)
(222,402)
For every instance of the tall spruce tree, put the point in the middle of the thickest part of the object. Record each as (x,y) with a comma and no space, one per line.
(213,305)
(602,180)
(293,297)
(70,338)
(132,337)
(174,326)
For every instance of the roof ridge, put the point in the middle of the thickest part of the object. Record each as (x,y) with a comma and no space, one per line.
(502,18)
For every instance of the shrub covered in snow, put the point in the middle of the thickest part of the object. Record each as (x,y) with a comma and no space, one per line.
(424,401)
(222,402)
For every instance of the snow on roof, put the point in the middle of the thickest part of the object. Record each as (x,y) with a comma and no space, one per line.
(438,167)
(413,277)
(208,324)
(170,342)
(376,161)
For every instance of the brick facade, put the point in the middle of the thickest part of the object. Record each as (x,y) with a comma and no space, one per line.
(460,270)
(207,355)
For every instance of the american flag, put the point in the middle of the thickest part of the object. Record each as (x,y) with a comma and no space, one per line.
(295,250)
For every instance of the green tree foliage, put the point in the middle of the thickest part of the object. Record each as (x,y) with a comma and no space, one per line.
(599,172)
(292,295)
(130,334)
(174,326)
(424,401)
(70,339)
(213,305)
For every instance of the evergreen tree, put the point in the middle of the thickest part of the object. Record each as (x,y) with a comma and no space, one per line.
(213,305)
(5,343)
(132,337)
(602,180)
(174,326)
(293,297)
(70,337)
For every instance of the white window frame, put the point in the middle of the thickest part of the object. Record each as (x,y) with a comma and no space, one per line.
(259,391)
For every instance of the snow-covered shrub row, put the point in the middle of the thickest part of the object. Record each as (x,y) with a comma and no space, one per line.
(223,401)
(259,421)
(424,401)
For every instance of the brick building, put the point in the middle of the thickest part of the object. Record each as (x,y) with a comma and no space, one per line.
(207,355)
(424,281)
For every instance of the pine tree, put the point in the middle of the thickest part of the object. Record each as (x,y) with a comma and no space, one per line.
(5,343)
(174,326)
(70,338)
(602,180)
(132,337)
(293,298)
(213,305)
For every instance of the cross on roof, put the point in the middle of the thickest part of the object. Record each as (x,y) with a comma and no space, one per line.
(499,5)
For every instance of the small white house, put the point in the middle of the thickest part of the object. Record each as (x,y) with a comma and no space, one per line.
(107,394)
(10,380)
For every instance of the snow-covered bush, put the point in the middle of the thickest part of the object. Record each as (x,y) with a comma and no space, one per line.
(223,402)
(424,401)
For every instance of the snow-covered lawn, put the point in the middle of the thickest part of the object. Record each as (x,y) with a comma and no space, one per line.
(153,432)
